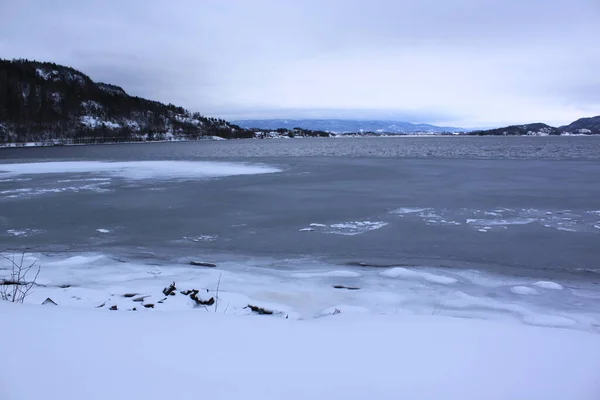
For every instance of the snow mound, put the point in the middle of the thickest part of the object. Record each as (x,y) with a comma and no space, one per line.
(548,285)
(524,290)
(400,272)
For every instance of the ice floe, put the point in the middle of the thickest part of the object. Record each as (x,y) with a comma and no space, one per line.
(524,290)
(548,285)
(350,228)
(138,170)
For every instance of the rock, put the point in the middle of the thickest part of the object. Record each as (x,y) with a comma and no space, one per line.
(336,311)
(134,309)
(346,287)
(114,308)
(64,286)
(168,291)
(149,305)
(199,301)
(259,310)
(101,305)
(202,264)
(49,302)
(127,295)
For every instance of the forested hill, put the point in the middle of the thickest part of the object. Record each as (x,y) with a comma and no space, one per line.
(46,102)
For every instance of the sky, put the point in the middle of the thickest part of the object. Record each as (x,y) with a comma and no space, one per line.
(467,63)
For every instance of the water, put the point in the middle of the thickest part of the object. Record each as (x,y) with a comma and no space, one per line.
(511,205)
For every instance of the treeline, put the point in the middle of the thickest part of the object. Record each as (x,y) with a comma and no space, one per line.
(42,101)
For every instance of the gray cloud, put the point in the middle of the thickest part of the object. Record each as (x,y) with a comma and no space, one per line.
(457,62)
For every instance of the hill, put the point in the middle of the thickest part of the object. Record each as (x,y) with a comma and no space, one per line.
(587,126)
(46,102)
(583,126)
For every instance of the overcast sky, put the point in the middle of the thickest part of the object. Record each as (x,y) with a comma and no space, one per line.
(469,63)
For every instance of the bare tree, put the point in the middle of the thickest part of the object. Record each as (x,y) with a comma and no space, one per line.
(16,287)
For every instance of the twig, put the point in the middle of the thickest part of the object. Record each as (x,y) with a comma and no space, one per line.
(217,295)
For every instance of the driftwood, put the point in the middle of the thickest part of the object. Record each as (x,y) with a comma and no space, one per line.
(346,287)
(203,264)
(259,310)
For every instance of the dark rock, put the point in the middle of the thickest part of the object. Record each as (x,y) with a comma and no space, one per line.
(168,291)
(49,302)
(64,286)
(114,308)
(202,264)
(199,301)
(259,310)
(149,305)
(346,287)
(127,295)
(186,292)
(101,305)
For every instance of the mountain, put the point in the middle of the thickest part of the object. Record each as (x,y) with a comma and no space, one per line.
(345,126)
(588,126)
(585,126)
(46,102)
(535,129)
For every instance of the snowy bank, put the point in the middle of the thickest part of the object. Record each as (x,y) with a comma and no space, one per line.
(65,353)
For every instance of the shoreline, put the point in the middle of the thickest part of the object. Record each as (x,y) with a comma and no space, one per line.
(216,138)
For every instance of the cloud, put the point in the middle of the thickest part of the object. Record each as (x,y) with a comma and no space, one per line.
(457,62)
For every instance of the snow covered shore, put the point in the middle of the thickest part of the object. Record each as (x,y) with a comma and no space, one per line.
(320,342)
(55,352)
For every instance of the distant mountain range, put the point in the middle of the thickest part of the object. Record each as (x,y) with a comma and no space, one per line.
(346,125)
(583,126)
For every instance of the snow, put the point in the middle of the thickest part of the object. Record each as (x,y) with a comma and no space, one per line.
(502,218)
(346,228)
(303,288)
(99,354)
(101,230)
(95,122)
(46,74)
(22,232)
(139,170)
(524,290)
(409,210)
(548,285)
(316,274)
(400,272)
